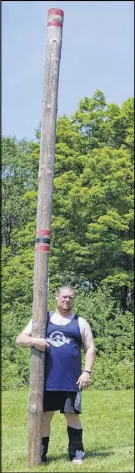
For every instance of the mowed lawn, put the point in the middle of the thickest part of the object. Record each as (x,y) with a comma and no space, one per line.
(108,434)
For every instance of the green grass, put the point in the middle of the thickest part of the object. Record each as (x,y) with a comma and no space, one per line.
(107,420)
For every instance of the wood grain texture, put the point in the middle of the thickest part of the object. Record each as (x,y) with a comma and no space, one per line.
(44,209)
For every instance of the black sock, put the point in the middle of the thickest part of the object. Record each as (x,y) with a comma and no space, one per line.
(45,442)
(75,441)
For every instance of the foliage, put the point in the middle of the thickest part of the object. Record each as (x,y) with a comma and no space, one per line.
(112,374)
(91,228)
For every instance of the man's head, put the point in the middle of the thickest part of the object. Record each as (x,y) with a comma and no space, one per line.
(65,298)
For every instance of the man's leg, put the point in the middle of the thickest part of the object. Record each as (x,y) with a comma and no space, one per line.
(74,428)
(46,419)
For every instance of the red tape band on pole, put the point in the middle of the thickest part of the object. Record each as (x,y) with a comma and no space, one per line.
(42,247)
(54,23)
(55,11)
(43,232)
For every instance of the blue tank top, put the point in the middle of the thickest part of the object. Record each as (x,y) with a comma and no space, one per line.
(63,357)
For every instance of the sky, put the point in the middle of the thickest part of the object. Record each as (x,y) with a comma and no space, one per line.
(97,53)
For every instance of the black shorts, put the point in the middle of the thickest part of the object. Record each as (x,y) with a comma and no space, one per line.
(63,401)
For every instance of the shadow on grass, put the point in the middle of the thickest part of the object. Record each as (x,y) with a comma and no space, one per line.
(88,453)
(98,453)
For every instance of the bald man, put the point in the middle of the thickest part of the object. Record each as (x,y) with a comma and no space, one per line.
(66,333)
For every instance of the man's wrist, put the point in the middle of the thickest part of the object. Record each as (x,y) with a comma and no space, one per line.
(88,371)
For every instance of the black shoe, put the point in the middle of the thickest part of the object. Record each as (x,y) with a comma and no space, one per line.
(44,458)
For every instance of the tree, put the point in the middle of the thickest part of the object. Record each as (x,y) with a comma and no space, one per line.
(92,220)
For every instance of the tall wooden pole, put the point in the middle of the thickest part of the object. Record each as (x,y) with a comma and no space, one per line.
(44,208)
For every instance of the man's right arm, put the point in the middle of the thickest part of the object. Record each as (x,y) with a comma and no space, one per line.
(25,339)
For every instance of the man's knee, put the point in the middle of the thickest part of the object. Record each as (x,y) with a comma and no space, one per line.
(73,420)
(47,416)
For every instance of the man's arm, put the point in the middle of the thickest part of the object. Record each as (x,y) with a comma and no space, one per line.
(25,339)
(88,343)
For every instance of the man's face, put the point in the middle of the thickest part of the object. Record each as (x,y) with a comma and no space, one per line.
(65,299)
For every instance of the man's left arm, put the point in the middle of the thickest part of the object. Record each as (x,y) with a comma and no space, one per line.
(88,343)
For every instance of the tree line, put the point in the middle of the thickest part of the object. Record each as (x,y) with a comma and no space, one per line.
(91,230)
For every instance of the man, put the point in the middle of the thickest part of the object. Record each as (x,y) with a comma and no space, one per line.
(66,333)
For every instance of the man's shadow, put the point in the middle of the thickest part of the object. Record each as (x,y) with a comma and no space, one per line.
(102,452)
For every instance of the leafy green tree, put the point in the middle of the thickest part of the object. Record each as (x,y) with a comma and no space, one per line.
(91,227)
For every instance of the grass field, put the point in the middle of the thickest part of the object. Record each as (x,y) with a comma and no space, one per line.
(108,434)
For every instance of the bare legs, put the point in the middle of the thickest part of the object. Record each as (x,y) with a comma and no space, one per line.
(73,426)
(46,420)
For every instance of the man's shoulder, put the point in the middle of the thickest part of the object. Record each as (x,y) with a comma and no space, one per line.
(81,321)
(80,318)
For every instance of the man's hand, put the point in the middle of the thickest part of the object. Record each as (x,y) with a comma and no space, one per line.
(40,343)
(83,381)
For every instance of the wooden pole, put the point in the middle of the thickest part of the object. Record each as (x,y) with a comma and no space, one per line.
(44,208)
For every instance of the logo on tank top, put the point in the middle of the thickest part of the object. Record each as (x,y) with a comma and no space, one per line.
(57,339)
